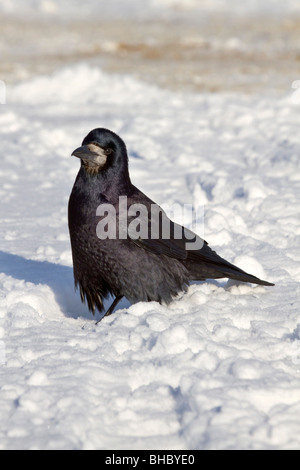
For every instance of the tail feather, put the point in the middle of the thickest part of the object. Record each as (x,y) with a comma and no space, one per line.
(239,275)
(206,263)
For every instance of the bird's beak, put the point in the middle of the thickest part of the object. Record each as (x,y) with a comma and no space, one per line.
(92,155)
(85,153)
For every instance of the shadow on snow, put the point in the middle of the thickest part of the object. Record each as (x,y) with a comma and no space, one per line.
(58,277)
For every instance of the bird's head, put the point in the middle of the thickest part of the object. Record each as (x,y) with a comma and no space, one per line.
(102,149)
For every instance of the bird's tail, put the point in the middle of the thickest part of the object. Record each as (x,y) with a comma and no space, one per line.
(240,275)
(205,264)
(217,271)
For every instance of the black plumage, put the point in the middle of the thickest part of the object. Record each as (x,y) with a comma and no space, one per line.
(141,268)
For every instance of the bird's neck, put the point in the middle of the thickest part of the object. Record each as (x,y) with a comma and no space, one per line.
(109,184)
(115,184)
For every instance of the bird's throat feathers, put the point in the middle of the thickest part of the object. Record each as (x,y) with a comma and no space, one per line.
(91,170)
(110,183)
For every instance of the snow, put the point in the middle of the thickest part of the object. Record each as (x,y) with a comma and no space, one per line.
(219,367)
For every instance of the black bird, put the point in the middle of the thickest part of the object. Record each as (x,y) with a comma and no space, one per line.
(144,258)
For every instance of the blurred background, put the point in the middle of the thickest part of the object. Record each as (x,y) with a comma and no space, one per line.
(188,45)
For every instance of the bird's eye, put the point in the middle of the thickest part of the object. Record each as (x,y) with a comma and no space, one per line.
(108,151)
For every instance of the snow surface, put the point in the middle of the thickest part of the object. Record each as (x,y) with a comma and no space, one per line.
(217,369)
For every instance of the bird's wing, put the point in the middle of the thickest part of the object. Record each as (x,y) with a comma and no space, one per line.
(150,228)
(181,244)
(193,249)
(170,246)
